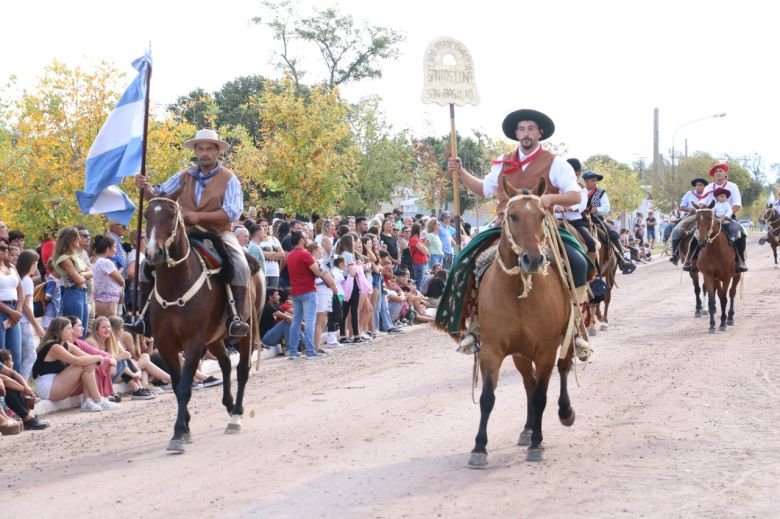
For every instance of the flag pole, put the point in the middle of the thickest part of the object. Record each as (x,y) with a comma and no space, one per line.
(455,186)
(139,228)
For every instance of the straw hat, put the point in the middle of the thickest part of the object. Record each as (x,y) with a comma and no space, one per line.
(206,136)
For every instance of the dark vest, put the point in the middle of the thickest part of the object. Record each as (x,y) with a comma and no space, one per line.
(210,199)
(528,179)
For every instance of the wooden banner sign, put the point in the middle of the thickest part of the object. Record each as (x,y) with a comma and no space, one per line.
(449,74)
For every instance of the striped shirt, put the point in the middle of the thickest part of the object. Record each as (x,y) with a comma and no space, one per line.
(232,203)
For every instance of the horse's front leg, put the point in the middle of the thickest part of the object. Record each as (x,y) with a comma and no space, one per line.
(242,374)
(697,293)
(723,297)
(183,390)
(539,398)
(220,353)
(605,321)
(489,365)
(732,294)
(526,369)
(565,410)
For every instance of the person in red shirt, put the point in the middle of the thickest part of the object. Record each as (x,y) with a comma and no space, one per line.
(303,270)
(419,255)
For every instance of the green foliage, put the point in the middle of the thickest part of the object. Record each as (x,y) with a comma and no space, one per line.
(620,182)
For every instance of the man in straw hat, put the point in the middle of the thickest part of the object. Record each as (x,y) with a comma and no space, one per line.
(210,197)
(522,168)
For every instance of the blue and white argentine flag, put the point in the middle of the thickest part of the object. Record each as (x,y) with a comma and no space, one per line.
(116,152)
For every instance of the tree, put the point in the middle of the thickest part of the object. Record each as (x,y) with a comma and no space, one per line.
(386,161)
(348,53)
(307,150)
(622,184)
(197,108)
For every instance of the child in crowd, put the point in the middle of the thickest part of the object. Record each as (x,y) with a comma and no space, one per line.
(19,397)
(53,295)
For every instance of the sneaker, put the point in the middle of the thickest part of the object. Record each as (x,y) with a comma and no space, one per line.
(35,425)
(322,352)
(345,340)
(90,406)
(197,385)
(313,356)
(212,381)
(366,336)
(142,394)
(116,398)
(293,357)
(359,340)
(336,346)
(392,331)
(105,405)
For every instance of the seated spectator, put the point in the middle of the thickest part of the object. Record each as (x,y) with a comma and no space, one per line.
(141,359)
(417,301)
(275,322)
(102,372)
(436,287)
(18,395)
(61,369)
(103,338)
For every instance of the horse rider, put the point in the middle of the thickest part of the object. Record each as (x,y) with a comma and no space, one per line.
(737,235)
(692,200)
(573,214)
(210,197)
(598,207)
(523,168)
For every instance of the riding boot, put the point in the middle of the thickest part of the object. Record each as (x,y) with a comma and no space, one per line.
(469,341)
(674,258)
(593,259)
(238,326)
(139,326)
(740,246)
(690,262)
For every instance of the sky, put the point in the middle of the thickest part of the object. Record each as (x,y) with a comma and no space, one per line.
(597,68)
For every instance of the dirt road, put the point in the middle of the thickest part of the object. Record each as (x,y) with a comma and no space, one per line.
(671,422)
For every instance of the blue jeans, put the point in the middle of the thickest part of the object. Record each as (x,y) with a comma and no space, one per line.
(11,340)
(304,310)
(382,313)
(281,331)
(434,259)
(417,273)
(74,302)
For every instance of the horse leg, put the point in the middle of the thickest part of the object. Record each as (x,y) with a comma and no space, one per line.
(709,289)
(526,369)
(723,297)
(565,410)
(697,292)
(183,390)
(218,350)
(605,320)
(539,397)
(732,294)
(489,363)
(242,375)
(774,251)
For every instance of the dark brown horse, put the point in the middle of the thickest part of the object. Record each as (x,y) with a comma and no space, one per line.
(772,221)
(524,313)
(685,251)
(607,257)
(717,265)
(188,314)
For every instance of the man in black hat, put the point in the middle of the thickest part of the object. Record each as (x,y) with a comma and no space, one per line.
(598,207)
(694,199)
(522,168)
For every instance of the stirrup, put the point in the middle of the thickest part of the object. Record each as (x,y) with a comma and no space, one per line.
(238,328)
(627,267)
(582,349)
(741,267)
(674,259)
(137,327)
(468,344)
(690,268)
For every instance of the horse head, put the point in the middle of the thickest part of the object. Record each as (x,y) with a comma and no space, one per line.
(164,227)
(523,225)
(707,226)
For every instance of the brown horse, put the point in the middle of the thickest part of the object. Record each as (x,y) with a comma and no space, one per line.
(187,312)
(717,265)
(772,221)
(607,257)
(685,251)
(524,314)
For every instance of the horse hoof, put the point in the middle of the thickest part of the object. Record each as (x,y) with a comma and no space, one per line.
(722,328)
(186,438)
(698,314)
(569,421)
(535,454)
(176,446)
(730,322)
(592,332)
(604,327)
(478,460)
(713,330)
(525,439)
(234,425)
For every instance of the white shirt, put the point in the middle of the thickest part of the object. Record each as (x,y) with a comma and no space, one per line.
(604,208)
(562,175)
(734,199)
(691,197)
(8,284)
(270,244)
(576,210)
(722,209)
(27,288)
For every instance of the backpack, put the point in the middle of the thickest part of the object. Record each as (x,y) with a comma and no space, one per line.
(39,300)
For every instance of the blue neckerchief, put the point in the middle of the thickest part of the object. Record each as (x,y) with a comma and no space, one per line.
(200,177)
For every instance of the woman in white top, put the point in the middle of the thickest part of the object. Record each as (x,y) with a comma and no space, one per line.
(323,235)
(25,266)
(11,301)
(273,255)
(74,273)
(108,281)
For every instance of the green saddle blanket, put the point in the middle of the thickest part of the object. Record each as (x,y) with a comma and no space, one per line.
(449,315)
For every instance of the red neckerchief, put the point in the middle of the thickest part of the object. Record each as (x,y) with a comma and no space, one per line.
(591,193)
(702,196)
(517,165)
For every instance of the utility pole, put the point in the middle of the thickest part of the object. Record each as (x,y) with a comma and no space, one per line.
(656,156)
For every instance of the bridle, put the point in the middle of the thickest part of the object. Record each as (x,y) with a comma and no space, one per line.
(178,221)
(709,238)
(518,250)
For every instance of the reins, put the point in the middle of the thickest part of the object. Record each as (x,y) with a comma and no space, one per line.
(177,222)
(518,250)
(709,239)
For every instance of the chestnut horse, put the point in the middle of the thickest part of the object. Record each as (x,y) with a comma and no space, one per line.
(525,314)
(188,314)
(772,221)
(685,251)
(717,265)
(608,263)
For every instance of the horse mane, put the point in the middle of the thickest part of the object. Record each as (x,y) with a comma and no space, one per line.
(226,272)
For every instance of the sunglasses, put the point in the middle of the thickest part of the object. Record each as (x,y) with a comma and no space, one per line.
(3,248)
(84,235)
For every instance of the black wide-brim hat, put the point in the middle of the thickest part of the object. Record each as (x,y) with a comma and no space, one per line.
(592,174)
(697,181)
(545,123)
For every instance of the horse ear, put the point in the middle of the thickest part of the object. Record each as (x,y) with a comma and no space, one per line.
(712,204)
(508,189)
(542,187)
